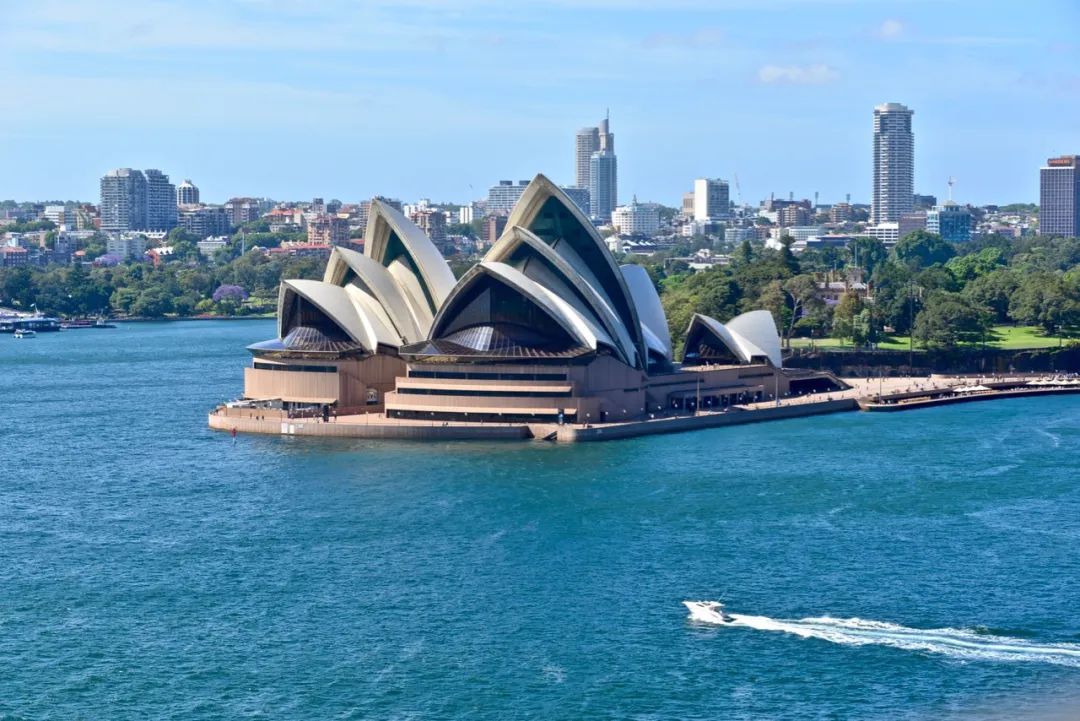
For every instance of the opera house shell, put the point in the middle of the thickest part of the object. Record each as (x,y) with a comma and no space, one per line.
(546,328)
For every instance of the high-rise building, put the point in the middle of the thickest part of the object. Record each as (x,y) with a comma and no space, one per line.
(61,216)
(636,218)
(794,215)
(242,210)
(688,205)
(894,163)
(1059,197)
(587,143)
(603,190)
(840,213)
(604,176)
(160,201)
(187,193)
(711,199)
(123,200)
(581,199)
(502,197)
(204,221)
(951,221)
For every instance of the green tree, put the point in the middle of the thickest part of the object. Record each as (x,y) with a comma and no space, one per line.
(920,249)
(867,253)
(1046,300)
(152,303)
(975,265)
(847,323)
(948,319)
(993,291)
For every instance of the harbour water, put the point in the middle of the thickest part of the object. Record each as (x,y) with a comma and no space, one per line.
(916,566)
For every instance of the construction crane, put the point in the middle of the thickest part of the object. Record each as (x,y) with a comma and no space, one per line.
(738,190)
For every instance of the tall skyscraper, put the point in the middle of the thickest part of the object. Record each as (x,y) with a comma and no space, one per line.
(123,200)
(160,201)
(894,163)
(588,142)
(1059,197)
(604,176)
(137,200)
(597,171)
(187,193)
(711,199)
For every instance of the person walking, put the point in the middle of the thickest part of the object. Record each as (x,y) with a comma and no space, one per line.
(234,435)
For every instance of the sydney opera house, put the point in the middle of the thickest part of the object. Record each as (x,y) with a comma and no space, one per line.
(547,328)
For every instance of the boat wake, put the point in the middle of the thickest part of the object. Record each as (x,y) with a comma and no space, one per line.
(957,643)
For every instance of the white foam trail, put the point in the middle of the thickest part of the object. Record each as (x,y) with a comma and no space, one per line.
(954,642)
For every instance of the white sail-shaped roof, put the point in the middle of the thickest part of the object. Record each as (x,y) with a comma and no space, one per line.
(649,308)
(398,244)
(747,336)
(758,328)
(409,318)
(581,329)
(540,262)
(545,210)
(334,302)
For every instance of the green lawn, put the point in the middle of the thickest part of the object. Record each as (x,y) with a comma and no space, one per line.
(1006,337)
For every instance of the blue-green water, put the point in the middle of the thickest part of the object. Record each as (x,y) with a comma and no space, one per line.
(151,569)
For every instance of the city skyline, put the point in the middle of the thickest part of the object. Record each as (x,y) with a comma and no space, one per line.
(402,100)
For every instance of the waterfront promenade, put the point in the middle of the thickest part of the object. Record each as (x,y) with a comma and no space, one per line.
(897,393)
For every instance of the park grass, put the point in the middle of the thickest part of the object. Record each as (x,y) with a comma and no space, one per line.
(1004,337)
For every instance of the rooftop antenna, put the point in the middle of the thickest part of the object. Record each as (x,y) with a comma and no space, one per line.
(815,199)
(951,183)
(848,196)
(791,195)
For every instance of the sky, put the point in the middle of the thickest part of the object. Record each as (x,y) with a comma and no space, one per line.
(441,99)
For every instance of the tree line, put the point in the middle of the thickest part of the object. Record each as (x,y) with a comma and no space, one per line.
(944,294)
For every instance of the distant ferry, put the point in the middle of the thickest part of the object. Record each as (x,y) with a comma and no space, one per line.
(20,333)
(86,323)
(39,324)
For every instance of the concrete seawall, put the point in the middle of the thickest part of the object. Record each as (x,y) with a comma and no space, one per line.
(381,431)
(705,420)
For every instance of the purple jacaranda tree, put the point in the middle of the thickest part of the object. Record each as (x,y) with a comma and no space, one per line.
(230,292)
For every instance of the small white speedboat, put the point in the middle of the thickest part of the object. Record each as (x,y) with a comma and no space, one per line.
(708,612)
(25,333)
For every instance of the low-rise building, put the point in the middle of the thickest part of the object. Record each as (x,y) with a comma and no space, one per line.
(328,230)
(433,223)
(12,256)
(301,250)
(126,246)
(208,246)
(636,219)
(887,232)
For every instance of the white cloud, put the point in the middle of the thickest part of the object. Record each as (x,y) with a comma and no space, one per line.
(817,74)
(890,29)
